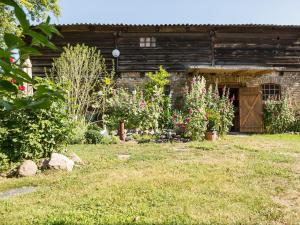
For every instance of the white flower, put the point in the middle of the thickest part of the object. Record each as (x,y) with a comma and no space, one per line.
(100,93)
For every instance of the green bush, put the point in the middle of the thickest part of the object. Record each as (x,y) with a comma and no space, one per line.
(295,127)
(278,115)
(4,162)
(93,137)
(32,134)
(107,140)
(78,131)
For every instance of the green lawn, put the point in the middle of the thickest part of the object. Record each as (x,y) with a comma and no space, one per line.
(238,180)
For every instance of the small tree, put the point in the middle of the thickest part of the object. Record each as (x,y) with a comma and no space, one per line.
(80,69)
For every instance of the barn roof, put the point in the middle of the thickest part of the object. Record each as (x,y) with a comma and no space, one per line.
(179,25)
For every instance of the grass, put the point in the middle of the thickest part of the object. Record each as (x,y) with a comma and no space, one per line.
(238,180)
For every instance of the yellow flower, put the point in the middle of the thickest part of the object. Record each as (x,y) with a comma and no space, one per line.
(106,81)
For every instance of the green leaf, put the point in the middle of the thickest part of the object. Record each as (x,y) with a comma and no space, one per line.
(8,86)
(6,105)
(27,51)
(13,41)
(5,54)
(39,39)
(42,103)
(48,29)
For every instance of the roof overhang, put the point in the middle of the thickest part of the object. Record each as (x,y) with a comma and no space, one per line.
(233,70)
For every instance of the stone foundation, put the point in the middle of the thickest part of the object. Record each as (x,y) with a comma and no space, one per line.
(289,82)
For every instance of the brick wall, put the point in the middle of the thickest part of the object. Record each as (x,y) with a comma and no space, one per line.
(289,81)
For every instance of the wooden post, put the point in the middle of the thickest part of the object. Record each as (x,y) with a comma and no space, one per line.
(122,131)
(27,67)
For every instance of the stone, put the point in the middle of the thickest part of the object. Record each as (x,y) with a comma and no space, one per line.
(60,162)
(16,191)
(123,157)
(128,138)
(104,133)
(27,168)
(76,158)
(44,164)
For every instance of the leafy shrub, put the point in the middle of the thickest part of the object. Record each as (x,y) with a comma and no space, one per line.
(213,120)
(93,137)
(226,110)
(34,134)
(4,162)
(278,115)
(106,140)
(78,131)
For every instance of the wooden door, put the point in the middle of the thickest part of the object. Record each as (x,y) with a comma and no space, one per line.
(251,110)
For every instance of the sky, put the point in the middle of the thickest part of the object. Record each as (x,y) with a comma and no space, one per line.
(180,11)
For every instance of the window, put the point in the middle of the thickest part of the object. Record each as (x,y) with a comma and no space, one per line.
(147,42)
(270,91)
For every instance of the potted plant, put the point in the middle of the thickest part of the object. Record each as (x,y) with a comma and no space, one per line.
(213,124)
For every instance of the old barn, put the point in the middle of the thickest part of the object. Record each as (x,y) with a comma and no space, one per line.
(255,61)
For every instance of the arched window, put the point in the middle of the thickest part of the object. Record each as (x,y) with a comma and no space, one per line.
(270,91)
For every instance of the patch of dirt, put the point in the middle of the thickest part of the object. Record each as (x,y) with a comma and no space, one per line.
(290,199)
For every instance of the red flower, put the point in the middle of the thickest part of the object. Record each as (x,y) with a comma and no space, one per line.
(187,120)
(22,88)
(11,59)
(13,81)
(190,111)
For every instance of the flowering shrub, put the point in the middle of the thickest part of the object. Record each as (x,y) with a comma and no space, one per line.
(194,109)
(133,109)
(278,115)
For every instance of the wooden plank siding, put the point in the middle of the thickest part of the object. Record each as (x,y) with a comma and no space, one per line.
(178,46)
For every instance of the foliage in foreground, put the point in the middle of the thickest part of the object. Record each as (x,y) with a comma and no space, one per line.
(12,77)
(37,9)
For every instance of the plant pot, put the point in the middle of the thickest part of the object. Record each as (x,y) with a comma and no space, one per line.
(211,135)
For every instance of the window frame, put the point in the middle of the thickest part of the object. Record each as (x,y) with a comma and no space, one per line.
(147,42)
(271,91)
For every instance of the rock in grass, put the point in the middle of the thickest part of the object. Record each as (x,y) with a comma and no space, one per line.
(76,159)
(27,168)
(60,162)
(123,157)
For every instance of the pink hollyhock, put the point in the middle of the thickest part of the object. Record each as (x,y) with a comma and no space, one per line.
(142,104)
(22,88)
(187,120)
(190,111)
(11,59)
(232,98)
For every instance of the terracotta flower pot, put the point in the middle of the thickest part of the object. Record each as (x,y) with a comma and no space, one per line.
(211,135)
